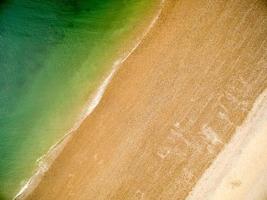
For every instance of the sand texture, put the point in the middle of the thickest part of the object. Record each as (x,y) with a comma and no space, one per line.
(240,170)
(170,109)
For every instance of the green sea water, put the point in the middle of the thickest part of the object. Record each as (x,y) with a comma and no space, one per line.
(52,56)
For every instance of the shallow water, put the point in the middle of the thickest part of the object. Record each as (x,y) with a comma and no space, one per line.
(52,56)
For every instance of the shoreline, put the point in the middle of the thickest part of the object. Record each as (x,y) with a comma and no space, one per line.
(45,161)
(178,97)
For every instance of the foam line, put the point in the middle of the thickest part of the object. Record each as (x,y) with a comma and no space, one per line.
(46,160)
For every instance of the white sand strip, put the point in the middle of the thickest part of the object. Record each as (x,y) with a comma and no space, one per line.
(240,170)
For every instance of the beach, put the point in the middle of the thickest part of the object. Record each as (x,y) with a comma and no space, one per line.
(170,109)
(239,171)
(53,57)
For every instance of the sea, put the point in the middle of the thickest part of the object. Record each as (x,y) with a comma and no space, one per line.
(53,56)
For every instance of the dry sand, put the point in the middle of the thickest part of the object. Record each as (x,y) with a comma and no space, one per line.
(170,109)
(240,170)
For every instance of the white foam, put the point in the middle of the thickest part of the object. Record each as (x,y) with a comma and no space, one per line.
(46,160)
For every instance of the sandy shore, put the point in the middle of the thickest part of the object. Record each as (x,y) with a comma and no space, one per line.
(240,169)
(170,109)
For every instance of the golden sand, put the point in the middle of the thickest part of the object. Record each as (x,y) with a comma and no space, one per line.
(170,109)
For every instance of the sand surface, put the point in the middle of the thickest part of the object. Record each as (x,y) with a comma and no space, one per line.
(240,170)
(170,109)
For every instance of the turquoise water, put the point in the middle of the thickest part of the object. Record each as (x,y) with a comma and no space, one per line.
(52,55)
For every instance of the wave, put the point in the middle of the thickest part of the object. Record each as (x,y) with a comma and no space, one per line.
(45,161)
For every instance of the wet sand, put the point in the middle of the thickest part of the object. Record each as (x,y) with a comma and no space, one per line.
(171,107)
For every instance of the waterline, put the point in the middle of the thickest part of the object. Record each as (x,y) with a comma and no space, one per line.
(46,161)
